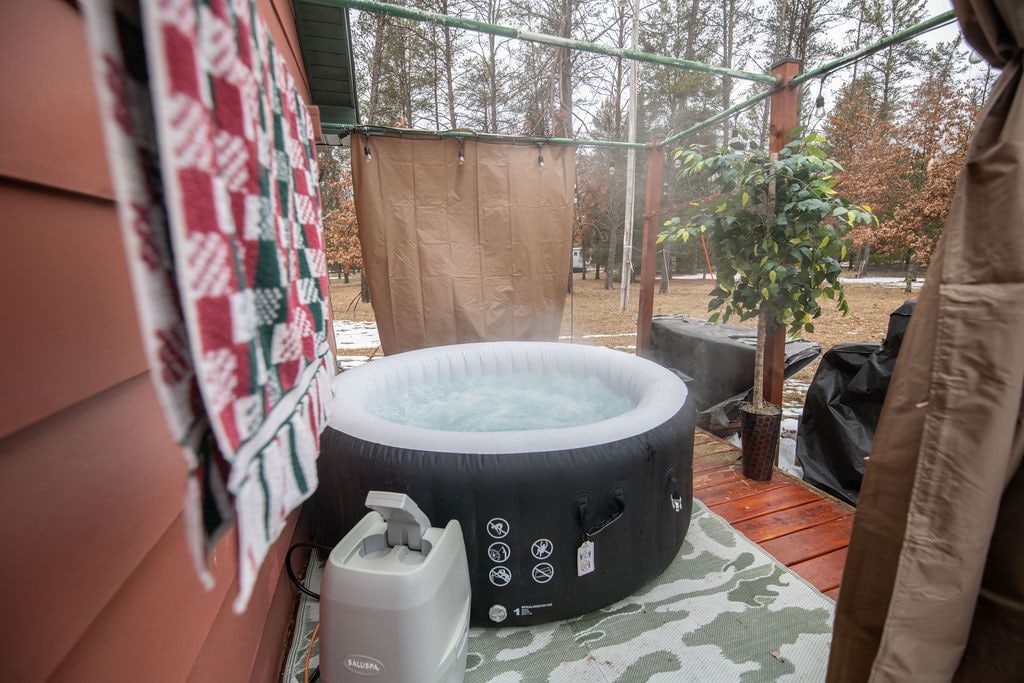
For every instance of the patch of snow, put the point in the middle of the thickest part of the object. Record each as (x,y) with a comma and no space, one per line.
(787,456)
(355,334)
(884,281)
(349,362)
(566,337)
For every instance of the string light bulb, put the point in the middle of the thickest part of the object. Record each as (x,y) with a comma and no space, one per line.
(366,151)
(677,163)
(540,155)
(611,168)
(462,156)
(974,58)
(819,103)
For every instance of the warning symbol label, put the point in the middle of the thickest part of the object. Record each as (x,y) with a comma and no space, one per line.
(497,528)
(542,548)
(543,572)
(500,576)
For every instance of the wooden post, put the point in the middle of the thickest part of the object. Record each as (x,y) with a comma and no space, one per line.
(652,215)
(784,118)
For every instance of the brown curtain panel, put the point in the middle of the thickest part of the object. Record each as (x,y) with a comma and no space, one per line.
(453,253)
(934,583)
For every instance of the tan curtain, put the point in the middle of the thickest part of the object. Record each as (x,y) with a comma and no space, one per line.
(455,253)
(934,583)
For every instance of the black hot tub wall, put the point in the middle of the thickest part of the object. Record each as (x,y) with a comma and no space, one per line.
(524,515)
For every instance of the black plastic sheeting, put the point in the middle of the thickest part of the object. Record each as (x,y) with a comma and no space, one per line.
(717,362)
(842,409)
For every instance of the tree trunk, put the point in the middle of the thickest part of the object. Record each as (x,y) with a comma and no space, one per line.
(865,257)
(762,328)
(563,120)
(728,35)
(449,58)
(666,267)
(376,66)
(609,269)
(911,273)
(492,76)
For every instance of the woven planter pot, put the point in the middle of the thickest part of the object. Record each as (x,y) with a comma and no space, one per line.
(760,434)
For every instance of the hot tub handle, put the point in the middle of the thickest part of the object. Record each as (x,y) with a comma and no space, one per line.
(673,485)
(620,507)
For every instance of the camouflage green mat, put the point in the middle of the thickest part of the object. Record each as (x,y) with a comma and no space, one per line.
(724,610)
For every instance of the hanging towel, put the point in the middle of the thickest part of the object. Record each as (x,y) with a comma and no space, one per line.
(213,160)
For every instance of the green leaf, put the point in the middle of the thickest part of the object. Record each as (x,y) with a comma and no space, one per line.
(764,293)
(713,318)
(746,198)
(772,275)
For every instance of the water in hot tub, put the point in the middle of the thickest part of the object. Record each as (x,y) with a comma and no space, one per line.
(499,403)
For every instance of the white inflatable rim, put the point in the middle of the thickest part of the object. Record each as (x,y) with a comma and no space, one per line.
(658,393)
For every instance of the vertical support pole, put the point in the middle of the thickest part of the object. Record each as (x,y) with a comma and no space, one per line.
(652,215)
(785,103)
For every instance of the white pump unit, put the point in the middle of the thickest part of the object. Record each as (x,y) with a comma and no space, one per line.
(394,602)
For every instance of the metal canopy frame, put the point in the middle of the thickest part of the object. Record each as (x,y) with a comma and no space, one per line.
(783,91)
(775,82)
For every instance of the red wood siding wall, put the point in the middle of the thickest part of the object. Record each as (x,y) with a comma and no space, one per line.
(96,583)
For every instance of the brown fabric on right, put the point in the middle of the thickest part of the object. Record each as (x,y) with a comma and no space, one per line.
(933,588)
(470,252)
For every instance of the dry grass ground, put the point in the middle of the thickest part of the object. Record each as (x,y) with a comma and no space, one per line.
(596,311)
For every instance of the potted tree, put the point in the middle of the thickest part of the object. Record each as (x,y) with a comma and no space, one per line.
(774,225)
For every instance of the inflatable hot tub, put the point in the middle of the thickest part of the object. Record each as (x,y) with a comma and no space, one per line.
(559,518)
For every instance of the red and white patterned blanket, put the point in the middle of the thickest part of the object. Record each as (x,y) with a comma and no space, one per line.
(215,168)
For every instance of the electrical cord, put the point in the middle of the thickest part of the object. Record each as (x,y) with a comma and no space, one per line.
(308,677)
(315,676)
(291,572)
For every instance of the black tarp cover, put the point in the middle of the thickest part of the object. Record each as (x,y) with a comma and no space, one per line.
(842,409)
(717,361)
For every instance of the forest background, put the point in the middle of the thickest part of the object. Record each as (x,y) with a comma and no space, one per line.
(899,121)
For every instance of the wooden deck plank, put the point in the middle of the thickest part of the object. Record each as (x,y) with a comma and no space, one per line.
(823,572)
(782,522)
(723,474)
(714,461)
(746,507)
(736,490)
(804,528)
(814,541)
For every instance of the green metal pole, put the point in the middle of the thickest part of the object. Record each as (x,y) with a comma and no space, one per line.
(824,69)
(345,129)
(735,109)
(898,37)
(543,38)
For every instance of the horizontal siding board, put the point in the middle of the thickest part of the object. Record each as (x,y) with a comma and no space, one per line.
(98,582)
(50,131)
(84,497)
(154,626)
(71,330)
(229,652)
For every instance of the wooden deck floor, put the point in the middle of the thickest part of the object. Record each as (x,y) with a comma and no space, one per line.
(805,529)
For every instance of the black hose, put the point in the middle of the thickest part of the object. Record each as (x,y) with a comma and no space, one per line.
(291,572)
